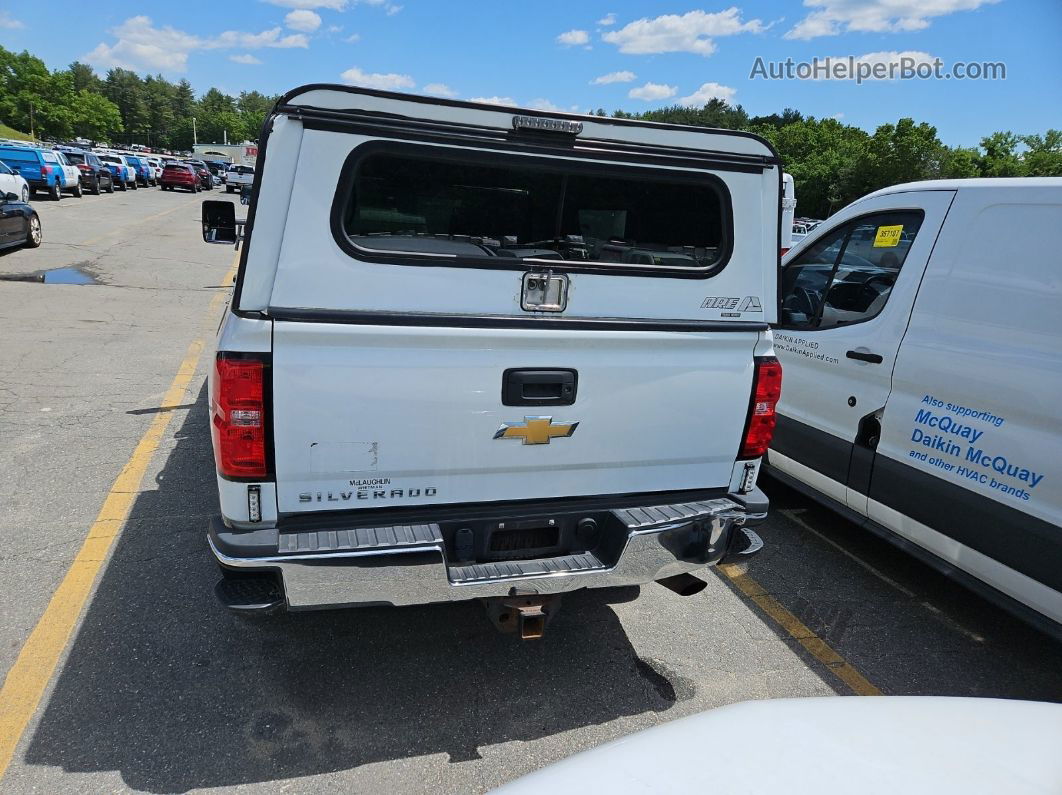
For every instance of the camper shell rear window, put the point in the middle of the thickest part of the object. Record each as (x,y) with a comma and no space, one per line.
(416,204)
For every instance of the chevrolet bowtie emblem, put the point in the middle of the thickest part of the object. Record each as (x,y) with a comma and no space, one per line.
(535,430)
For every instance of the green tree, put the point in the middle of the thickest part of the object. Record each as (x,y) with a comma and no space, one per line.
(84,77)
(1043,157)
(1001,155)
(126,90)
(960,163)
(96,117)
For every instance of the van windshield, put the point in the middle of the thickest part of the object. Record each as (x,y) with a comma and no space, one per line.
(519,207)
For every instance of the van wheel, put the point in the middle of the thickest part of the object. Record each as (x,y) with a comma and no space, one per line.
(55,193)
(135,186)
(34,236)
(96,188)
(77,192)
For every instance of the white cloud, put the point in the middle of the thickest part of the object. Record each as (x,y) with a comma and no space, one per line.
(334,5)
(837,116)
(353,38)
(386,82)
(543,104)
(7,22)
(607,20)
(438,90)
(245,58)
(494,100)
(707,92)
(140,45)
(832,17)
(614,77)
(303,19)
(571,38)
(652,91)
(690,32)
(333,29)
(393,9)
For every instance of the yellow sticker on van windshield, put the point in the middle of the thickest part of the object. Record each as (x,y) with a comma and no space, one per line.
(888,236)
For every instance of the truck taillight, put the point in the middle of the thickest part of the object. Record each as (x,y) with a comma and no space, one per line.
(766,389)
(239,415)
(46,170)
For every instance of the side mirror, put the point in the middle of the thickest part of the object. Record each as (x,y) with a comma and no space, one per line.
(219,222)
(11,197)
(245,194)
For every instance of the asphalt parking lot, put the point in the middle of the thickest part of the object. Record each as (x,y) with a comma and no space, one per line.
(159,690)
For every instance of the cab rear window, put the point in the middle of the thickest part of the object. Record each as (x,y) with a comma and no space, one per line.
(17,154)
(493,208)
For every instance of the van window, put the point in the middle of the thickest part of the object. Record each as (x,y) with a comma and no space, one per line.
(846,276)
(515,207)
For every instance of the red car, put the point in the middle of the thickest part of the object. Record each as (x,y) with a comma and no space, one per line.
(179,175)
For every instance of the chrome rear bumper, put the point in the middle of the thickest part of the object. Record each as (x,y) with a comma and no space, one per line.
(407,564)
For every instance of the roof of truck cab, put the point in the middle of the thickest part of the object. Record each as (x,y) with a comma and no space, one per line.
(355,98)
(981,183)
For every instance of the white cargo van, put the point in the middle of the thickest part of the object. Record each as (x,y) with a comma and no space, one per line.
(480,352)
(920,329)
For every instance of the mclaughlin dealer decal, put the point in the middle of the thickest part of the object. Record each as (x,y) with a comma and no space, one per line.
(963,441)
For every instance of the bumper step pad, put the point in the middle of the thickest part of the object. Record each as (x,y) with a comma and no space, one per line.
(501,570)
(648,518)
(360,539)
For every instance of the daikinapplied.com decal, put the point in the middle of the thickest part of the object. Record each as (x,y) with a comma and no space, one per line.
(965,441)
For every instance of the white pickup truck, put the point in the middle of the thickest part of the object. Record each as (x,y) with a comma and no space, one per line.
(504,354)
(237,176)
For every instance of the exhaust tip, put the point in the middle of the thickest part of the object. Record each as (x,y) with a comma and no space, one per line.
(684,584)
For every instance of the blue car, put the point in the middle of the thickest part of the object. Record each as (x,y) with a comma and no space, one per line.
(145,172)
(41,171)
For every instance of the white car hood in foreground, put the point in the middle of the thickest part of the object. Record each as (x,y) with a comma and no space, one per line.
(846,745)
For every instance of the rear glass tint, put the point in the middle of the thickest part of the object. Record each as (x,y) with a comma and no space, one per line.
(74,158)
(518,207)
(17,154)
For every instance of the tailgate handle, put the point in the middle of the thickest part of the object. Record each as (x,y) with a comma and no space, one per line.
(525,387)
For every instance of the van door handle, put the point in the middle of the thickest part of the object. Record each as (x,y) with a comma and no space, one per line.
(865,356)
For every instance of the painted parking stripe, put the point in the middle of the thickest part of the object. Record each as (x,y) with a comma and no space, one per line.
(796,629)
(36,663)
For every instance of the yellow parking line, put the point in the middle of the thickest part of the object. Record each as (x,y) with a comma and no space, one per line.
(796,629)
(33,669)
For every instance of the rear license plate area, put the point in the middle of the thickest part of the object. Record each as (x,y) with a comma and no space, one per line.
(522,543)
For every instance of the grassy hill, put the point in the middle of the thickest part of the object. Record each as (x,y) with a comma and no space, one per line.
(10,132)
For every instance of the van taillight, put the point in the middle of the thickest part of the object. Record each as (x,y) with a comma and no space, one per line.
(766,389)
(238,413)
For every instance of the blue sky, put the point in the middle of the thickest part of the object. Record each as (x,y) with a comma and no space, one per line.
(583,55)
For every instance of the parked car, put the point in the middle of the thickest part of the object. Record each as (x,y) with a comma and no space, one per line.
(156,166)
(19,223)
(206,179)
(179,175)
(71,173)
(217,168)
(238,176)
(124,174)
(10,182)
(145,172)
(39,172)
(535,463)
(920,335)
(95,176)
